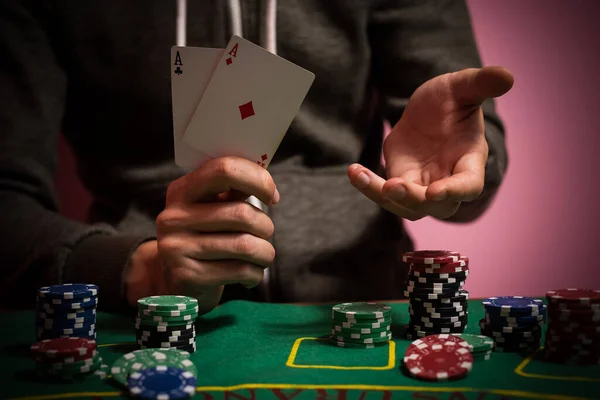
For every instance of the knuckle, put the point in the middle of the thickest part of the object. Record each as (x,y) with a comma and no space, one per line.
(167,219)
(224,166)
(169,245)
(244,244)
(242,212)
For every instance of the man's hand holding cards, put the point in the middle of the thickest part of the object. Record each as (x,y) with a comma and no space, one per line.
(243,98)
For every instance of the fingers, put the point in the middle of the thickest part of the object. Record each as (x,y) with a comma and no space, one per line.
(235,216)
(220,246)
(472,86)
(371,185)
(221,175)
(198,276)
(405,199)
(466,182)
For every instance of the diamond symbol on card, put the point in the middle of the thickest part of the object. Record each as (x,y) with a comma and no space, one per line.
(261,164)
(228,61)
(246,110)
(264,157)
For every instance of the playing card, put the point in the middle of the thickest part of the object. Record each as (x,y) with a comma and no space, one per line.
(191,70)
(249,104)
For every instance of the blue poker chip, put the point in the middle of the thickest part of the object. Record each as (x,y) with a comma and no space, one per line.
(63,314)
(60,323)
(68,291)
(513,305)
(78,328)
(76,305)
(162,382)
(517,321)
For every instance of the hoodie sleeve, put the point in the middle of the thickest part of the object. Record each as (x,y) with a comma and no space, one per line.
(39,246)
(414,41)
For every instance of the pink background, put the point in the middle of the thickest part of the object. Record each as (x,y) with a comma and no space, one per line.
(541,231)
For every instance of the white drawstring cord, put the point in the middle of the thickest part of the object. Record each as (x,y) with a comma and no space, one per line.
(181,23)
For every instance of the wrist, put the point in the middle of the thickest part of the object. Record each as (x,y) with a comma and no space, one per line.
(143,265)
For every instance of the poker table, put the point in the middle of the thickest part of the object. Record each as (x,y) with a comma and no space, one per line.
(278,351)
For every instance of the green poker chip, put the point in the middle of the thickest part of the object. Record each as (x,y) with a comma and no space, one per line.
(371,340)
(381,323)
(477,343)
(351,345)
(353,336)
(340,329)
(361,310)
(173,313)
(148,358)
(167,303)
(158,318)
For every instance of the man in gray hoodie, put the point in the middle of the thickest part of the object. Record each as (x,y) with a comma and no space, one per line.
(330,223)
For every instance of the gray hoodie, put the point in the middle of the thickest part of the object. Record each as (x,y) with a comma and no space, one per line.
(99,73)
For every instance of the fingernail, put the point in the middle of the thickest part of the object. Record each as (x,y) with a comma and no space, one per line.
(276,196)
(397,193)
(441,196)
(362,180)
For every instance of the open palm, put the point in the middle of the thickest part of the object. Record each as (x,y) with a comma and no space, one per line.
(436,154)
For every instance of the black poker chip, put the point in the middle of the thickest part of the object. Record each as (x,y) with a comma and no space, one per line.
(457,276)
(437,312)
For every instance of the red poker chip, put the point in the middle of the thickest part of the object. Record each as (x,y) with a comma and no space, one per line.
(431,257)
(460,266)
(63,347)
(436,363)
(576,296)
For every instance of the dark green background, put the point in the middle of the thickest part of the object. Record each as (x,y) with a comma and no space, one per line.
(243,348)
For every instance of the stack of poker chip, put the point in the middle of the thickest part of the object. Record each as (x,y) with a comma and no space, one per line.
(361,325)
(514,322)
(438,358)
(438,304)
(573,335)
(139,360)
(167,322)
(481,346)
(162,382)
(67,310)
(67,358)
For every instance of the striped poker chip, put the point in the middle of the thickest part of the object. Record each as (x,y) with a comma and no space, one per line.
(436,359)
(68,291)
(509,305)
(431,257)
(361,311)
(573,295)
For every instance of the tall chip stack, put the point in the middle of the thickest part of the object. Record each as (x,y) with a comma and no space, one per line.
(361,325)
(167,322)
(573,334)
(514,322)
(67,310)
(438,304)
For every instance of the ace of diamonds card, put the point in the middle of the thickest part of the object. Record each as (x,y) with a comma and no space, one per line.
(249,104)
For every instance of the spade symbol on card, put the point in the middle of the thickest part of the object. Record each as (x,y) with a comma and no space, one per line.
(232,54)
(179,64)
(262,160)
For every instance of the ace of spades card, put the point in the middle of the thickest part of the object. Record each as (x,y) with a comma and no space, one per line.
(249,104)
(191,70)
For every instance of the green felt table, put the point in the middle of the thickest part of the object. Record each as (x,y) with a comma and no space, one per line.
(271,351)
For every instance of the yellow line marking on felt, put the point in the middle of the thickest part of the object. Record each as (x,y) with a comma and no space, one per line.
(434,389)
(525,362)
(292,357)
(266,386)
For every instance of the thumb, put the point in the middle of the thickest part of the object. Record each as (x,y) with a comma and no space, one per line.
(471,86)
